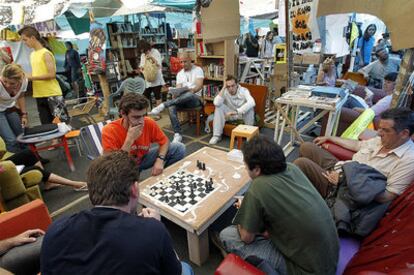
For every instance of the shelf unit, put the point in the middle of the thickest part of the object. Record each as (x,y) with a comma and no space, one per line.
(156,37)
(217,59)
(123,46)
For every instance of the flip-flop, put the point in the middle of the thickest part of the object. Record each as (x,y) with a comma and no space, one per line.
(82,188)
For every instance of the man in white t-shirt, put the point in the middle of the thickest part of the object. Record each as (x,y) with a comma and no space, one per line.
(234,102)
(191,76)
(13,115)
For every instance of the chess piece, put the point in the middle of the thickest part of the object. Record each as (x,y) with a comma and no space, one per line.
(198,164)
(204,166)
(166,200)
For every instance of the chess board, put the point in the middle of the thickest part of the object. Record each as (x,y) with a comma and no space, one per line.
(181,191)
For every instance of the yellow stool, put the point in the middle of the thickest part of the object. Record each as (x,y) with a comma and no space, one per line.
(243,131)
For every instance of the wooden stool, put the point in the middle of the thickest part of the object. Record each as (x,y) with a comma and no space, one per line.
(194,114)
(242,131)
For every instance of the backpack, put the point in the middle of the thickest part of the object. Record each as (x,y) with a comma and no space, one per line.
(150,70)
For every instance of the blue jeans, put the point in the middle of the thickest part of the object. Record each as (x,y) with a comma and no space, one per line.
(10,128)
(186,269)
(260,248)
(185,101)
(176,152)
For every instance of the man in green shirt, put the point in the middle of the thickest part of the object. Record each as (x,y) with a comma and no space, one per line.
(282,219)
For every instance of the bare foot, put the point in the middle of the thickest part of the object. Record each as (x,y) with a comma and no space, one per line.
(50,186)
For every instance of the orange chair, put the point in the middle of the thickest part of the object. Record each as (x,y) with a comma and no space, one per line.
(28,216)
(357,77)
(71,135)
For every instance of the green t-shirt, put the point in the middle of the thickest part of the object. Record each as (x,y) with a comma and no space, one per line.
(298,220)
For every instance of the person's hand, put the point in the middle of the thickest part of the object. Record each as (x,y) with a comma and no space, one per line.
(320,140)
(266,234)
(158,167)
(359,110)
(28,236)
(239,200)
(134,132)
(331,176)
(150,213)
(230,114)
(24,120)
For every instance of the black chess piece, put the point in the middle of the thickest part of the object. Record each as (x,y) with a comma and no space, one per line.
(178,200)
(166,200)
(177,187)
(204,166)
(198,164)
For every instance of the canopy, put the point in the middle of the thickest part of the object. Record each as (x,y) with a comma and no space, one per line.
(395,14)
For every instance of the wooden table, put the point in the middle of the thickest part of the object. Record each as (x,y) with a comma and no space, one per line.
(287,112)
(231,178)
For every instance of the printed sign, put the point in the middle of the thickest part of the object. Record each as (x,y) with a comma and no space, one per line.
(303,24)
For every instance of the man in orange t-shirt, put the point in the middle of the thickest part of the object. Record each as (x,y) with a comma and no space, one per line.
(134,133)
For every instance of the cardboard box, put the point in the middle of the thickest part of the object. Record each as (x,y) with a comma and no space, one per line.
(311,58)
(220,20)
(297,59)
(280,78)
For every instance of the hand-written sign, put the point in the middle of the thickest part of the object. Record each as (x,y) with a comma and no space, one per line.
(301,14)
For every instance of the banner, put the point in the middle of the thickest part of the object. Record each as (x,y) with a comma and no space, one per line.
(303,24)
(96,49)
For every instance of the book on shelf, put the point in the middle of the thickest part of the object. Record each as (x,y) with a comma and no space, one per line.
(211,90)
(214,71)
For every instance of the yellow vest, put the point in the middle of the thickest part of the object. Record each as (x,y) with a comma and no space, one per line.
(43,88)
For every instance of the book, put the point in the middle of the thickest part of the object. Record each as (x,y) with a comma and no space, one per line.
(176,92)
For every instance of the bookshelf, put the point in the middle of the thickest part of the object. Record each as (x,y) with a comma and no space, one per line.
(123,46)
(217,59)
(156,37)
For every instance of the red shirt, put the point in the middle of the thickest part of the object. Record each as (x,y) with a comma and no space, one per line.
(114,135)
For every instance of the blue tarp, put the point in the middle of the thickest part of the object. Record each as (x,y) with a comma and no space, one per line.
(181,4)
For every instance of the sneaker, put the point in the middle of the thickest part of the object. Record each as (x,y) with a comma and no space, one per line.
(177,138)
(214,140)
(157,110)
(215,239)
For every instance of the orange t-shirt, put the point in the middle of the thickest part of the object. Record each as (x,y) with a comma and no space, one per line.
(114,135)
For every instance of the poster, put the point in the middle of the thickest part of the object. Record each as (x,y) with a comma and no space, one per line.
(96,49)
(303,24)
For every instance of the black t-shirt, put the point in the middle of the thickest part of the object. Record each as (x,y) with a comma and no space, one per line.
(108,241)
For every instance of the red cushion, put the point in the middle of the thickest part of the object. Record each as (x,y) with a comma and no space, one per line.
(339,152)
(234,265)
(390,248)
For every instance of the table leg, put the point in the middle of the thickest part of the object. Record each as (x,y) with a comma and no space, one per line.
(67,152)
(198,247)
(33,148)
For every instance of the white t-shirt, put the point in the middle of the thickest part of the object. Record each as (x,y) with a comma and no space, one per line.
(188,78)
(159,80)
(7,101)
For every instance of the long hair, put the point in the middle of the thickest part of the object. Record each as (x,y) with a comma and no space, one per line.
(30,31)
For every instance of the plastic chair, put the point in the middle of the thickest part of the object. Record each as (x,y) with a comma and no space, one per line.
(91,137)
(130,85)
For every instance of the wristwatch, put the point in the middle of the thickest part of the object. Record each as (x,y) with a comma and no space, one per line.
(161,157)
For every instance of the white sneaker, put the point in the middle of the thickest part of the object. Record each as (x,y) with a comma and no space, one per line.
(177,138)
(214,140)
(155,111)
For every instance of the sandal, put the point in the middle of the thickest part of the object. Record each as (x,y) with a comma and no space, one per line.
(82,188)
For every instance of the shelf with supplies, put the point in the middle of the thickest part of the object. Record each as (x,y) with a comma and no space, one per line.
(123,46)
(211,56)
